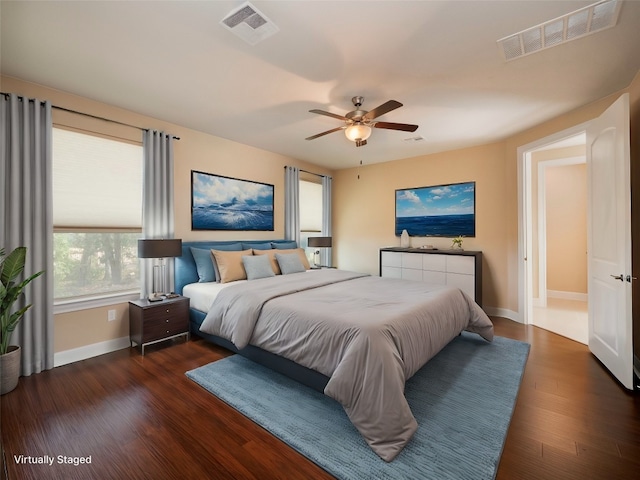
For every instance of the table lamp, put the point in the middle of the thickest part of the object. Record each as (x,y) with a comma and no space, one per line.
(159,249)
(318,242)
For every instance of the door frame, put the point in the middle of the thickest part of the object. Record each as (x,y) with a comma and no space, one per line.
(525,237)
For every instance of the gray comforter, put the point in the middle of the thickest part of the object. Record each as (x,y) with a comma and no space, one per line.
(368,334)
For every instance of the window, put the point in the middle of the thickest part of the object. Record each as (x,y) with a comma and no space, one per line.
(310,213)
(97,215)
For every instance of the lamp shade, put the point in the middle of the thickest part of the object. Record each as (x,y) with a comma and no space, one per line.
(151,248)
(320,242)
(357,131)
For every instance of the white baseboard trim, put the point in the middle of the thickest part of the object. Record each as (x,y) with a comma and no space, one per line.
(583,297)
(89,351)
(503,312)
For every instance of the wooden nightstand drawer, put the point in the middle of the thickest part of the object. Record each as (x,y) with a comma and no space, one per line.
(158,315)
(151,322)
(163,328)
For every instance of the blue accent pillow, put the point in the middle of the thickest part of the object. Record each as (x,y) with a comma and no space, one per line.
(204,265)
(284,245)
(257,246)
(257,266)
(289,263)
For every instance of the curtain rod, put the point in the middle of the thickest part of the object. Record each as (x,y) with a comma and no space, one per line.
(92,116)
(311,173)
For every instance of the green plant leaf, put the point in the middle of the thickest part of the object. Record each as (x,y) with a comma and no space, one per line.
(13,265)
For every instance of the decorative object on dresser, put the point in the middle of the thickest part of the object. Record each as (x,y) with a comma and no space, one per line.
(151,322)
(437,211)
(319,242)
(456,243)
(225,203)
(456,268)
(159,249)
(404,239)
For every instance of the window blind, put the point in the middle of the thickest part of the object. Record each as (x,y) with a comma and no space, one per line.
(97,182)
(310,206)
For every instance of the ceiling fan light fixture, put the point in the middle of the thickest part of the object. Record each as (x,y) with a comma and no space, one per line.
(357,132)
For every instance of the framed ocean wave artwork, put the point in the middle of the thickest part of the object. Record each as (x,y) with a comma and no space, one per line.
(437,211)
(226,203)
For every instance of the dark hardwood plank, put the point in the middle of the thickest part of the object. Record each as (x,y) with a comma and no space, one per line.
(141,417)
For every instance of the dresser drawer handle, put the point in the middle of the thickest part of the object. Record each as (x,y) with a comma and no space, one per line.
(167,310)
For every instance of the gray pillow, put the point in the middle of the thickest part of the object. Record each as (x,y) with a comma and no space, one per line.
(257,266)
(289,263)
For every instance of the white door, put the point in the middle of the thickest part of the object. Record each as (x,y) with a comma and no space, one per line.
(609,240)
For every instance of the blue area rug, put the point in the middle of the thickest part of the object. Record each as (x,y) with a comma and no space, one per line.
(463,400)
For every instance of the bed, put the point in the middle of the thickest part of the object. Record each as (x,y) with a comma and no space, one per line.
(355,337)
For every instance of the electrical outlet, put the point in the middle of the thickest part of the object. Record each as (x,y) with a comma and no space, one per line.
(111,315)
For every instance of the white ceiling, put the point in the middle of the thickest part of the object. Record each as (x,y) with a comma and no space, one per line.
(175,62)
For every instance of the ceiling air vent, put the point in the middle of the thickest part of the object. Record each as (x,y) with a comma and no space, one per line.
(582,22)
(249,24)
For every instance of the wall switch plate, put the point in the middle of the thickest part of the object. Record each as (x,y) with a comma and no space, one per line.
(111,315)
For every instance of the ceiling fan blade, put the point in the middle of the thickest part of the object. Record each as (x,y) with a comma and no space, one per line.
(405,127)
(381,110)
(329,114)
(325,133)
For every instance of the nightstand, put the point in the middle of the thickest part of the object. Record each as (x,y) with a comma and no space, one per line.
(153,322)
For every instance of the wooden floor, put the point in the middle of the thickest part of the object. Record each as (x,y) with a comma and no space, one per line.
(141,418)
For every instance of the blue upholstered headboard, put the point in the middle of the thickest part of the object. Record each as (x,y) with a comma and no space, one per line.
(185,266)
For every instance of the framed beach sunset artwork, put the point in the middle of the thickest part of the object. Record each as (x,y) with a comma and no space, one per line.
(437,211)
(225,203)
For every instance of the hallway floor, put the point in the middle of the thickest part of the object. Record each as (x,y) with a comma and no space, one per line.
(564,317)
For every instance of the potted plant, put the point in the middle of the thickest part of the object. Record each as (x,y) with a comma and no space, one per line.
(11,290)
(456,243)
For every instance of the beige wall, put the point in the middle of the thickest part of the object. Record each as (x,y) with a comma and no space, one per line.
(364,219)
(194,151)
(566,218)
(538,159)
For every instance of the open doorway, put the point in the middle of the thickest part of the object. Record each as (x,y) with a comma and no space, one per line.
(553,229)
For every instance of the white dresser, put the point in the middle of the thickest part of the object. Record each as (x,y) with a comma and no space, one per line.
(457,268)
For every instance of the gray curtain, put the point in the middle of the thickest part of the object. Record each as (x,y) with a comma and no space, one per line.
(26,218)
(292,204)
(157,201)
(325,255)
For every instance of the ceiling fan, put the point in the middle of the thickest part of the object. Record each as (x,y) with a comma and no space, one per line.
(358,123)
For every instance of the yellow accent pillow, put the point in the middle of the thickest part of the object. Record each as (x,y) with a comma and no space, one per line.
(230,264)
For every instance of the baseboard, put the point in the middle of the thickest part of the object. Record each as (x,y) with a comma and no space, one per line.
(504,313)
(89,351)
(582,297)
